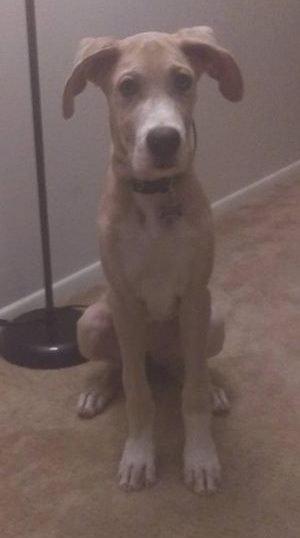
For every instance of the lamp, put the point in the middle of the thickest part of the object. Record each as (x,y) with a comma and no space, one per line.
(44,338)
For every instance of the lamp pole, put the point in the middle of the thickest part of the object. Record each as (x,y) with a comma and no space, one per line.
(39,150)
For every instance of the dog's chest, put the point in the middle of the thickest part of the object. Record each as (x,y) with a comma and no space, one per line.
(157,258)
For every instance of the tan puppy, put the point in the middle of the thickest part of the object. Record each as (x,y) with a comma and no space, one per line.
(156,233)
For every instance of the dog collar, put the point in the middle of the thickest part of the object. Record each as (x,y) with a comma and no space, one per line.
(160,185)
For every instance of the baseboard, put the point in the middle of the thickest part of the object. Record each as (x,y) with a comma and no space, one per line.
(91,276)
(228,203)
(63,290)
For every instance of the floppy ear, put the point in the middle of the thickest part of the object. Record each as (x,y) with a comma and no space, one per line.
(200,46)
(93,58)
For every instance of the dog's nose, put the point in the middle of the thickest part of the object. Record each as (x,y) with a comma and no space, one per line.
(163,142)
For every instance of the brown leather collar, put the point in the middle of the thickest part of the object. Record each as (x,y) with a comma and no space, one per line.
(160,185)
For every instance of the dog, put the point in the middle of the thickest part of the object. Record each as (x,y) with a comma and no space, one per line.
(156,239)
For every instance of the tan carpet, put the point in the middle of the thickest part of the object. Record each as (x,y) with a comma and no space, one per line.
(58,472)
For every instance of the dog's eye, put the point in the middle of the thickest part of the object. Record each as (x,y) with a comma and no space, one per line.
(128,87)
(183,82)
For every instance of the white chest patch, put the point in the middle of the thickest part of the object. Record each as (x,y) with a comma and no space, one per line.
(157,262)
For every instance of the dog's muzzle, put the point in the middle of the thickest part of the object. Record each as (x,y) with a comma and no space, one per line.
(163,143)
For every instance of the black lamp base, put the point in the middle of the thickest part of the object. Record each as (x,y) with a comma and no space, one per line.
(42,339)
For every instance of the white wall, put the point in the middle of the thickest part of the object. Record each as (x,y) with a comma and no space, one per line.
(19,241)
(238,144)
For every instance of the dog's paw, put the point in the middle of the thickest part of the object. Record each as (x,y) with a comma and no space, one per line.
(137,466)
(92,402)
(219,400)
(202,470)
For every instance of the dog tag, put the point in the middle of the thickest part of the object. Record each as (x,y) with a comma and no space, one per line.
(169,213)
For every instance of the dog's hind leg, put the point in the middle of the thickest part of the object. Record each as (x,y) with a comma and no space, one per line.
(216,337)
(101,387)
(219,401)
(97,342)
(216,334)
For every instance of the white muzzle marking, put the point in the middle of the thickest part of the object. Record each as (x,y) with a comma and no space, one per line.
(153,114)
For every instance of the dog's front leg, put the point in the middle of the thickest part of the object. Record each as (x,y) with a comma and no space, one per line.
(137,466)
(201,465)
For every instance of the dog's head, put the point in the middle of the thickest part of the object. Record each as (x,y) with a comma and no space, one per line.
(150,83)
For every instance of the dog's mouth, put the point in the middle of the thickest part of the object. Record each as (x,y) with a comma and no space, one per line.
(160,173)
(165,163)
(152,169)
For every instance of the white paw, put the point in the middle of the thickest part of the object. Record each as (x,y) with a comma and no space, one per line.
(92,402)
(137,466)
(202,470)
(219,400)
